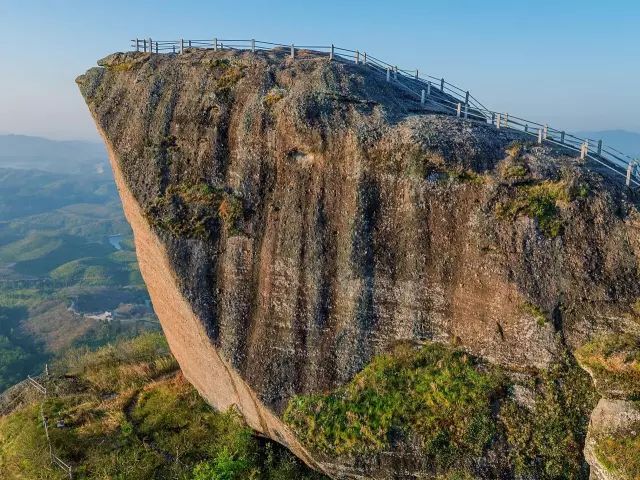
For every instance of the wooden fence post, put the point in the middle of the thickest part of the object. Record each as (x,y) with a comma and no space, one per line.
(157,48)
(189,43)
(466,99)
(599,147)
(357,57)
(388,74)
(540,136)
(429,88)
(498,121)
(417,76)
(293,52)
(526,128)
(137,45)
(174,48)
(331,54)
(466,110)
(215,44)
(150,45)
(144,45)
(546,131)
(422,97)
(181,45)
(442,85)
(365,58)
(506,120)
(561,137)
(458,110)
(253,45)
(395,73)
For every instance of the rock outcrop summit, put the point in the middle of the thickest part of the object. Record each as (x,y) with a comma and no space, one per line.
(295,220)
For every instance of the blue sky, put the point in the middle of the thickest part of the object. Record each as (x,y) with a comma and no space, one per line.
(573,64)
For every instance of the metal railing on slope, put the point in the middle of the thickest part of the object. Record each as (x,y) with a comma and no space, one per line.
(428,89)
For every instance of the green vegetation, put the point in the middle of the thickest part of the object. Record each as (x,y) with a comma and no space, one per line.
(227,74)
(614,362)
(535,311)
(442,395)
(124,412)
(457,409)
(54,250)
(196,210)
(541,202)
(546,440)
(273,96)
(620,452)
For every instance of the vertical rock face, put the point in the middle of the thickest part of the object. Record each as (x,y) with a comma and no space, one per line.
(295,218)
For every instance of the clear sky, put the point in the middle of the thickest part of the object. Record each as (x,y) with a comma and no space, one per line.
(573,64)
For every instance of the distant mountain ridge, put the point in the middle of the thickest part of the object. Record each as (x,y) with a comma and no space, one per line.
(623,140)
(72,156)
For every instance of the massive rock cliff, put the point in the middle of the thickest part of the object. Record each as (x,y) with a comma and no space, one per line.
(294,219)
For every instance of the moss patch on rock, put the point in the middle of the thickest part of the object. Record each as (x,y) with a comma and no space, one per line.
(614,362)
(457,410)
(620,452)
(196,210)
(441,395)
(541,202)
(545,439)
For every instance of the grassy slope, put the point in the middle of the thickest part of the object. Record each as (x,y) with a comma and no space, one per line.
(456,410)
(125,412)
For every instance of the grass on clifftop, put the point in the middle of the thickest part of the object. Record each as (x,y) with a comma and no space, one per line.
(124,412)
(442,395)
(614,362)
(457,411)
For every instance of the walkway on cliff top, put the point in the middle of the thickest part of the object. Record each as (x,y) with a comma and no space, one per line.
(428,89)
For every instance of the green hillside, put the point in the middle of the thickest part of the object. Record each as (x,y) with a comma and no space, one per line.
(125,412)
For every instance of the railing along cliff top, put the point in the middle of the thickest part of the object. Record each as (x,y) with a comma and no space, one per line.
(428,89)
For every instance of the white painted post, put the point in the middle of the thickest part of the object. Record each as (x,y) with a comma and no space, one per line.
(182,45)
(583,151)
(506,120)
(357,57)
(458,110)
(293,52)
(540,136)
(388,74)
(630,169)
(428,88)
(395,73)
(466,111)
(215,44)
(150,45)
(546,130)
(253,45)
(422,97)
(498,121)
